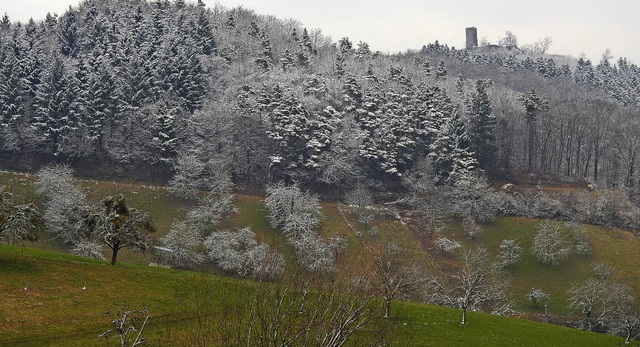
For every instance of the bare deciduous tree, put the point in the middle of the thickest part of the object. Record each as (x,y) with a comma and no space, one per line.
(294,313)
(550,244)
(510,252)
(360,202)
(18,221)
(478,285)
(240,252)
(536,296)
(396,274)
(128,328)
(445,245)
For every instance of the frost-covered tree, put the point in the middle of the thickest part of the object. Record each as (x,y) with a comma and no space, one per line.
(216,204)
(53,116)
(534,105)
(18,221)
(191,176)
(394,274)
(292,210)
(184,243)
(441,71)
(550,244)
(536,296)
(472,197)
(446,245)
(481,127)
(240,252)
(297,214)
(450,153)
(510,253)
(64,203)
(69,36)
(478,285)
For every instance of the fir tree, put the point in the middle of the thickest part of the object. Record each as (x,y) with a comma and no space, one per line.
(450,153)
(53,116)
(11,102)
(204,33)
(306,41)
(69,37)
(441,71)
(481,127)
(287,60)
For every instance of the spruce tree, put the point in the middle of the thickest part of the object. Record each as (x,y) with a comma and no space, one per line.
(53,116)
(481,128)
(11,102)
(452,159)
(69,37)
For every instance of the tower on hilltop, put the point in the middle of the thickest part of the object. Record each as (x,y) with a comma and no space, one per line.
(472,37)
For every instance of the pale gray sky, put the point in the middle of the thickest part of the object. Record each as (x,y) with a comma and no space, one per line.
(576,26)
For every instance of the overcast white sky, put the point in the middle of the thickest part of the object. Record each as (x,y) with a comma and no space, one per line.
(576,26)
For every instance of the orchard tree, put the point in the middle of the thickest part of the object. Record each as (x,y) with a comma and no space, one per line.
(119,226)
(66,209)
(297,214)
(18,221)
(550,244)
(395,274)
(184,244)
(536,296)
(478,285)
(510,253)
(292,210)
(240,252)
(360,202)
(471,197)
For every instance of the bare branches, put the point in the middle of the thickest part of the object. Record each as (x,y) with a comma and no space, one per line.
(477,285)
(125,327)
(550,244)
(18,221)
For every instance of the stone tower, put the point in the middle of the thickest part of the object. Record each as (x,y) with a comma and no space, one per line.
(472,37)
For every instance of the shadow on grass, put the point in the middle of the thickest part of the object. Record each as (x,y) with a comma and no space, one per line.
(17,265)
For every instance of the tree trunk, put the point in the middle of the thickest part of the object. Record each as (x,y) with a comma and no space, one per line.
(114,255)
(387,308)
(464,316)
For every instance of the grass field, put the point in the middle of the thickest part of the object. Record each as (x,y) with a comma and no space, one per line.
(56,311)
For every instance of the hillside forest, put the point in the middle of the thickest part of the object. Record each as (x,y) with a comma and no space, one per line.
(212,102)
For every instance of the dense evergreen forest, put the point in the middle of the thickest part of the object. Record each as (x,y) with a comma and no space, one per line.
(146,90)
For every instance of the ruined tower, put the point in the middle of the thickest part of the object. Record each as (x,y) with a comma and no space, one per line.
(472,37)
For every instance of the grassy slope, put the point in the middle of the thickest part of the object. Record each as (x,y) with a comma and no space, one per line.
(618,248)
(56,311)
